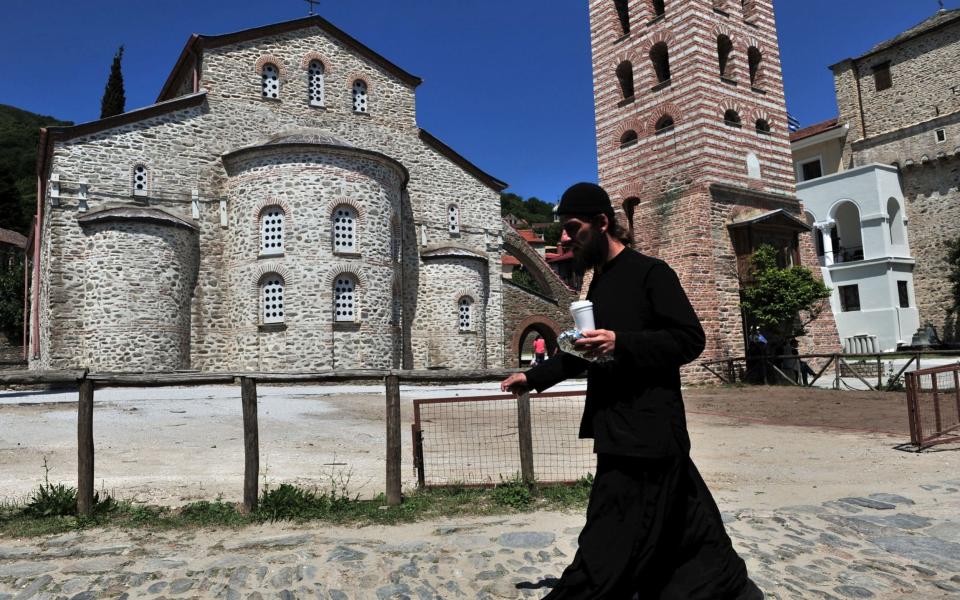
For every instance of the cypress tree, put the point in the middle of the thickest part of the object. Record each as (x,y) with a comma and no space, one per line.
(113,101)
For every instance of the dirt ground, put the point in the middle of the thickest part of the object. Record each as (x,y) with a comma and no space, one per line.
(879,412)
(756,447)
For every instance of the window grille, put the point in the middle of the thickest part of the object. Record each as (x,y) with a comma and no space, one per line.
(272,294)
(315,74)
(466,314)
(359,96)
(140,180)
(344,229)
(453,218)
(271,230)
(271,81)
(344,299)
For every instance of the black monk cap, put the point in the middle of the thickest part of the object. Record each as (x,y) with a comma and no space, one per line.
(588,199)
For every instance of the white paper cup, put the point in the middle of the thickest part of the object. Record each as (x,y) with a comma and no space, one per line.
(582,313)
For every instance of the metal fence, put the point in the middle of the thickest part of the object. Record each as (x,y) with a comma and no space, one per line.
(933,402)
(485,440)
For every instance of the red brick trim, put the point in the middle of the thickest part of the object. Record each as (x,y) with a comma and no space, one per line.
(635,125)
(661,35)
(273,60)
(631,190)
(354,77)
(344,201)
(344,269)
(265,268)
(309,57)
(257,215)
(661,110)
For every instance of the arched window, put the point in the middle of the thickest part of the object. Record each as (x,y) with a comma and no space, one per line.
(623,14)
(629,138)
(754,58)
(625,77)
(659,8)
(345,298)
(140,180)
(660,57)
(315,75)
(271,298)
(732,118)
(724,48)
(271,230)
(359,96)
(763,126)
(453,218)
(271,81)
(664,124)
(465,312)
(345,229)
(630,210)
(895,223)
(848,237)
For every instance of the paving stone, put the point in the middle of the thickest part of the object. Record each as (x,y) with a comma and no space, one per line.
(26,569)
(526,539)
(344,554)
(942,555)
(270,542)
(34,588)
(852,591)
(892,499)
(157,587)
(180,586)
(84,596)
(868,503)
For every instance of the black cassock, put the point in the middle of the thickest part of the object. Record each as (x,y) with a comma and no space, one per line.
(652,526)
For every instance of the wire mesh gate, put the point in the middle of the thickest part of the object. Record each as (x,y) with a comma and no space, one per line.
(933,402)
(485,440)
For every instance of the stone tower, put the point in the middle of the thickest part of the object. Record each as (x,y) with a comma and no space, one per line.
(693,145)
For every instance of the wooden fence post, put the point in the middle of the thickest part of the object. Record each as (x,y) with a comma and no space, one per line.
(85,449)
(525,433)
(836,370)
(251,443)
(393,440)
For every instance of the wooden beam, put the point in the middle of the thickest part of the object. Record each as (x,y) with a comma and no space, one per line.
(394,496)
(251,443)
(525,433)
(85,449)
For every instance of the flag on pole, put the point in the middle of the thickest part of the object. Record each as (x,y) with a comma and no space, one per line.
(793,123)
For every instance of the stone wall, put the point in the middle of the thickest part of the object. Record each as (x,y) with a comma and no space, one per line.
(527,310)
(182,151)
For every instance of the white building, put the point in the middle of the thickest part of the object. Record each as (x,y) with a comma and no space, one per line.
(860,233)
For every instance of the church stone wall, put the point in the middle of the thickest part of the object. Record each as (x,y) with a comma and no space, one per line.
(183,152)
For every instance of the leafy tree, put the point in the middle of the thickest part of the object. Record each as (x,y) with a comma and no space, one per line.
(531,210)
(781,301)
(522,278)
(11,299)
(552,234)
(114,101)
(12,213)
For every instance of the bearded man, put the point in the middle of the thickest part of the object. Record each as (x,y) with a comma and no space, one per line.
(653,530)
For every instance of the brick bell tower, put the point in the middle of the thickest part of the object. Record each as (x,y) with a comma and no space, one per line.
(693,147)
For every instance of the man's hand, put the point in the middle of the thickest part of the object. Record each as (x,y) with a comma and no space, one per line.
(597,342)
(516,384)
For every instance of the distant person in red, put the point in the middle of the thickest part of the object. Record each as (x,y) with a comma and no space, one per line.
(539,350)
(653,531)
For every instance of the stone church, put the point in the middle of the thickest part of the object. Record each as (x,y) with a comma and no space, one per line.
(277,209)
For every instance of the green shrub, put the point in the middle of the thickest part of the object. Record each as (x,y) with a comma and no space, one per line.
(513,493)
(52,501)
(210,513)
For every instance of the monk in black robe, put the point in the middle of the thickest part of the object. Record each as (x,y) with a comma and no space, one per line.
(653,530)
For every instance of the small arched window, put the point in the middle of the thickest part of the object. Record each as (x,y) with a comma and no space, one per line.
(724,48)
(763,126)
(629,138)
(270,76)
(625,78)
(271,230)
(660,57)
(360,96)
(465,313)
(315,74)
(271,298)
(754,58)
(345,229)
(732,118)
(453,218)
(140,180)
(659,8)
(664,124)
(623,14)
(345,298)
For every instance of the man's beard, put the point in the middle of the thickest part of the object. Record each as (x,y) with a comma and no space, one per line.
(592,253)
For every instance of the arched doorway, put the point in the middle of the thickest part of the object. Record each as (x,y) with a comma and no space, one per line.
(527,332)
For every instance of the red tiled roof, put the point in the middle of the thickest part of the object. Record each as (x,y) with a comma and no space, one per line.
(508,260)
(814,129)
(531,237)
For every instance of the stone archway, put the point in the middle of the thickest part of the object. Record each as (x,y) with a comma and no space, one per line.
(544,326)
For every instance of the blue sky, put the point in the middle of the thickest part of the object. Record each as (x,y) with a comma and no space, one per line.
(508,84)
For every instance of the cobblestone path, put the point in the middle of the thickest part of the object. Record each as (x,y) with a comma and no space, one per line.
(882,545)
